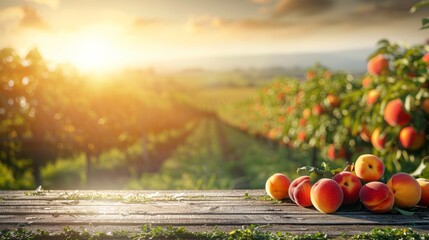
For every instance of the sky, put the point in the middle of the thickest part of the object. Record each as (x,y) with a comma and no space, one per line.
(112,34)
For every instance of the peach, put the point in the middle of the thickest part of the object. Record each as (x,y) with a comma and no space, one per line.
(326,195)
(333,100)
(310,75)
(306,113)
(425,58)
(302,122)
(378,140)
(395,114)
(275,133)
(410,139)
(318,110)
(277,186)
(365,134)
(327,74)
(424,184)
(366,82)
(406,189)
(378,65)
(377,197)
(350,185)
(302,135)
(369,167)
(299,191)
(333,153)
(372,97)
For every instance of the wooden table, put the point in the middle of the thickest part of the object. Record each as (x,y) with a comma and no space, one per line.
(195,210)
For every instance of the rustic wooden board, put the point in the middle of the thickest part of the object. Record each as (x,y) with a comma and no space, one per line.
(197,210)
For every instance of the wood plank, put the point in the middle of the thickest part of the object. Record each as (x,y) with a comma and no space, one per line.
(194,209)
(213,219)
(174,194)
(166,208)
(293,229)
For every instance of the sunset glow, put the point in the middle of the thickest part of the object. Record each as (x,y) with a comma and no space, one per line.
(97,36)
(92,53)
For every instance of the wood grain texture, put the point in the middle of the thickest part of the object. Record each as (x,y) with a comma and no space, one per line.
(197,210)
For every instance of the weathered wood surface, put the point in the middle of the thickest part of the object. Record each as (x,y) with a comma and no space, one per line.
(196,210)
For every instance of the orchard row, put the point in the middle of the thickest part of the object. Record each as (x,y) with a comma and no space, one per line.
(385,112)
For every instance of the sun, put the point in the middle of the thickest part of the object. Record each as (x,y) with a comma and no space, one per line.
(93,53)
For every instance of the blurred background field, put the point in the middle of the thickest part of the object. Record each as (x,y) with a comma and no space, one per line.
(229,100)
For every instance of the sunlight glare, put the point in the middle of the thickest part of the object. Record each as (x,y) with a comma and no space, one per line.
(93,53)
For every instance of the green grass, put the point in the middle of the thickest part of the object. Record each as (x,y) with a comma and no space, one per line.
(245,232)
(217,156)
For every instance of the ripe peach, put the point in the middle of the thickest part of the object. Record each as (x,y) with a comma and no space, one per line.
(327,74)
(425,58)
(332,153)
(365,134)
(310,75)
(410,139)
(395,114)
(306,113)
(377,197)
(302,135)
(424,184)
(366,82)
(277,186)
(378,65)
(369,167)
(326,195)
(372,96)
(318,110)
(299,191)
(377,140)
(350,184)
(406,189)
(302,122)
(333,100)
(275,133)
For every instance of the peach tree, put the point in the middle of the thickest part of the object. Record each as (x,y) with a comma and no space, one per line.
(391,113)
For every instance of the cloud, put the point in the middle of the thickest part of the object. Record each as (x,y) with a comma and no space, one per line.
(32,19)
(206,22)
(261,1)
(301,7)
(10,14)
(388,8)
(50,3)
(145,22)
(21,17)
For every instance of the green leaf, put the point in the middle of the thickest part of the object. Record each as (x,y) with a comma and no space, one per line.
(384,42)
(419,5)
(403,212)
(328,174)
(408,103)
(425,23)
(305,170)
(326,166)
(419,120)
(314,177)
(420,168)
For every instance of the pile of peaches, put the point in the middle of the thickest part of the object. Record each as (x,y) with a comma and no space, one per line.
(345,188)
